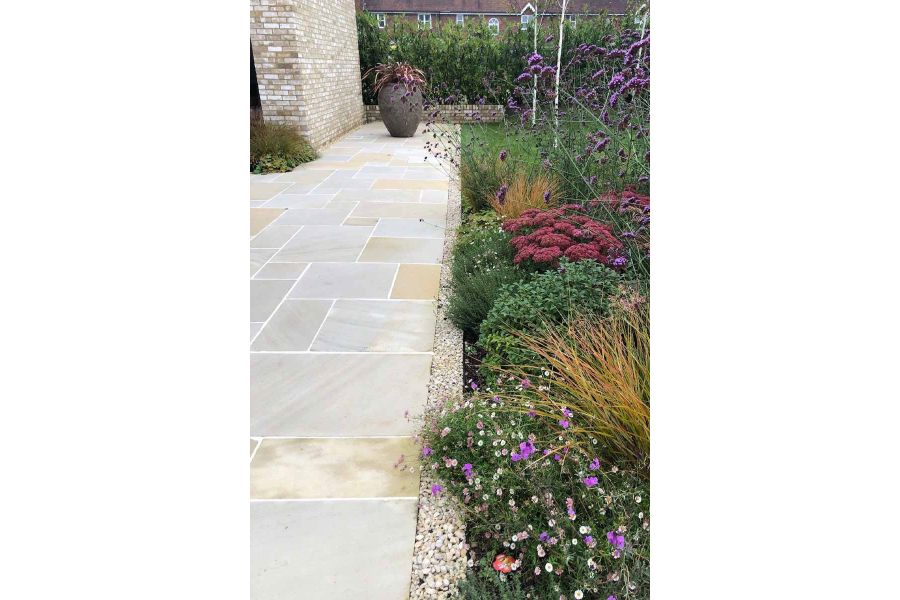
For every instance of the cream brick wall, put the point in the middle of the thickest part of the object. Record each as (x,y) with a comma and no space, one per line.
(307,65)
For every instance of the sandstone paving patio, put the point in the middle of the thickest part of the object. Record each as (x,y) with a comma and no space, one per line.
(344,273)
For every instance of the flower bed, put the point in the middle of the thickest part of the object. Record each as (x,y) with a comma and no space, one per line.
(547,451)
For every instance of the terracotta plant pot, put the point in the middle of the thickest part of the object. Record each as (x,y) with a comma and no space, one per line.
(400,108)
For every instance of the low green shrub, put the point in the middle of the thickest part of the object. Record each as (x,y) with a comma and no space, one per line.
(482,264)
(548,298)
(277,147)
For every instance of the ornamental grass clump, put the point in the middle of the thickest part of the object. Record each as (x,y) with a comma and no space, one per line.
(543,237)
(598,373)
(277,147)
(524,192)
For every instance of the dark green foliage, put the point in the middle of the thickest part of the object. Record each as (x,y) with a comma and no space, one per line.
(482,264)
(485,584)
(465,63)
(547,298)
(277,147)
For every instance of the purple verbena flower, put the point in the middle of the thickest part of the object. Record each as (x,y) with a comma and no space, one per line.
(594,465)
(426,451)
(436,489)
(590,481)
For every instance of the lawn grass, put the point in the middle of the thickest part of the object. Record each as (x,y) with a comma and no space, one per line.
(487,140)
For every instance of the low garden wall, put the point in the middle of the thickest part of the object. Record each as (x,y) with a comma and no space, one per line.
(453,113)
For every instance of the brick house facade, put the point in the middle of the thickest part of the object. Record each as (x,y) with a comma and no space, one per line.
(500,14)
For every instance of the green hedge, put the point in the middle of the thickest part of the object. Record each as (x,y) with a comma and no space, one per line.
(464,63)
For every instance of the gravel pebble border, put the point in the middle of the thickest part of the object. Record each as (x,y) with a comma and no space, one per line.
(439,554)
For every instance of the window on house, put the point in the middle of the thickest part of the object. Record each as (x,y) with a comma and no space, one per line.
(424,21)
(573,20)
(382,20)
(526,19)
(460,19)
(494,25)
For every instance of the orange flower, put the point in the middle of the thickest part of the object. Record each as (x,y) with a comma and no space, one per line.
(503,563)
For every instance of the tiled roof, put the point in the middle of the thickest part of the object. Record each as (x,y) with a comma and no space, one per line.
(490,6)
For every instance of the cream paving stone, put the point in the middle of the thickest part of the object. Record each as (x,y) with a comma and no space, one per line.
(265,296)
(266,178)
(258,257)
(298,468)
(373,157)
(417,282)
(332,214)
(260,217)
(253,445)
(409,228)
(434,196)
(373,172)
(409,184)
(256,203)
(300,201)
(345,280)
(401,210)
(321,550)
(427,174)
(320,394)
(281,271)
(293,326)
(300,188)
(360,221)
(377,326)
(400,250)
(328,165)
(254,329)
(378,195)
(264,191)
(336,185)
(324,243)
(305,176)
(336,157)
(274,236)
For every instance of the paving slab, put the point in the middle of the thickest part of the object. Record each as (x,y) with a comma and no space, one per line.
(261,217)
(265,296)
(297,468)
(345,280)
(409,228)
(377,326)
(293,326)
(404,210)
(322,550)
(417,282)
(400,250)
(324,243)
(281,271)
(319,394)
